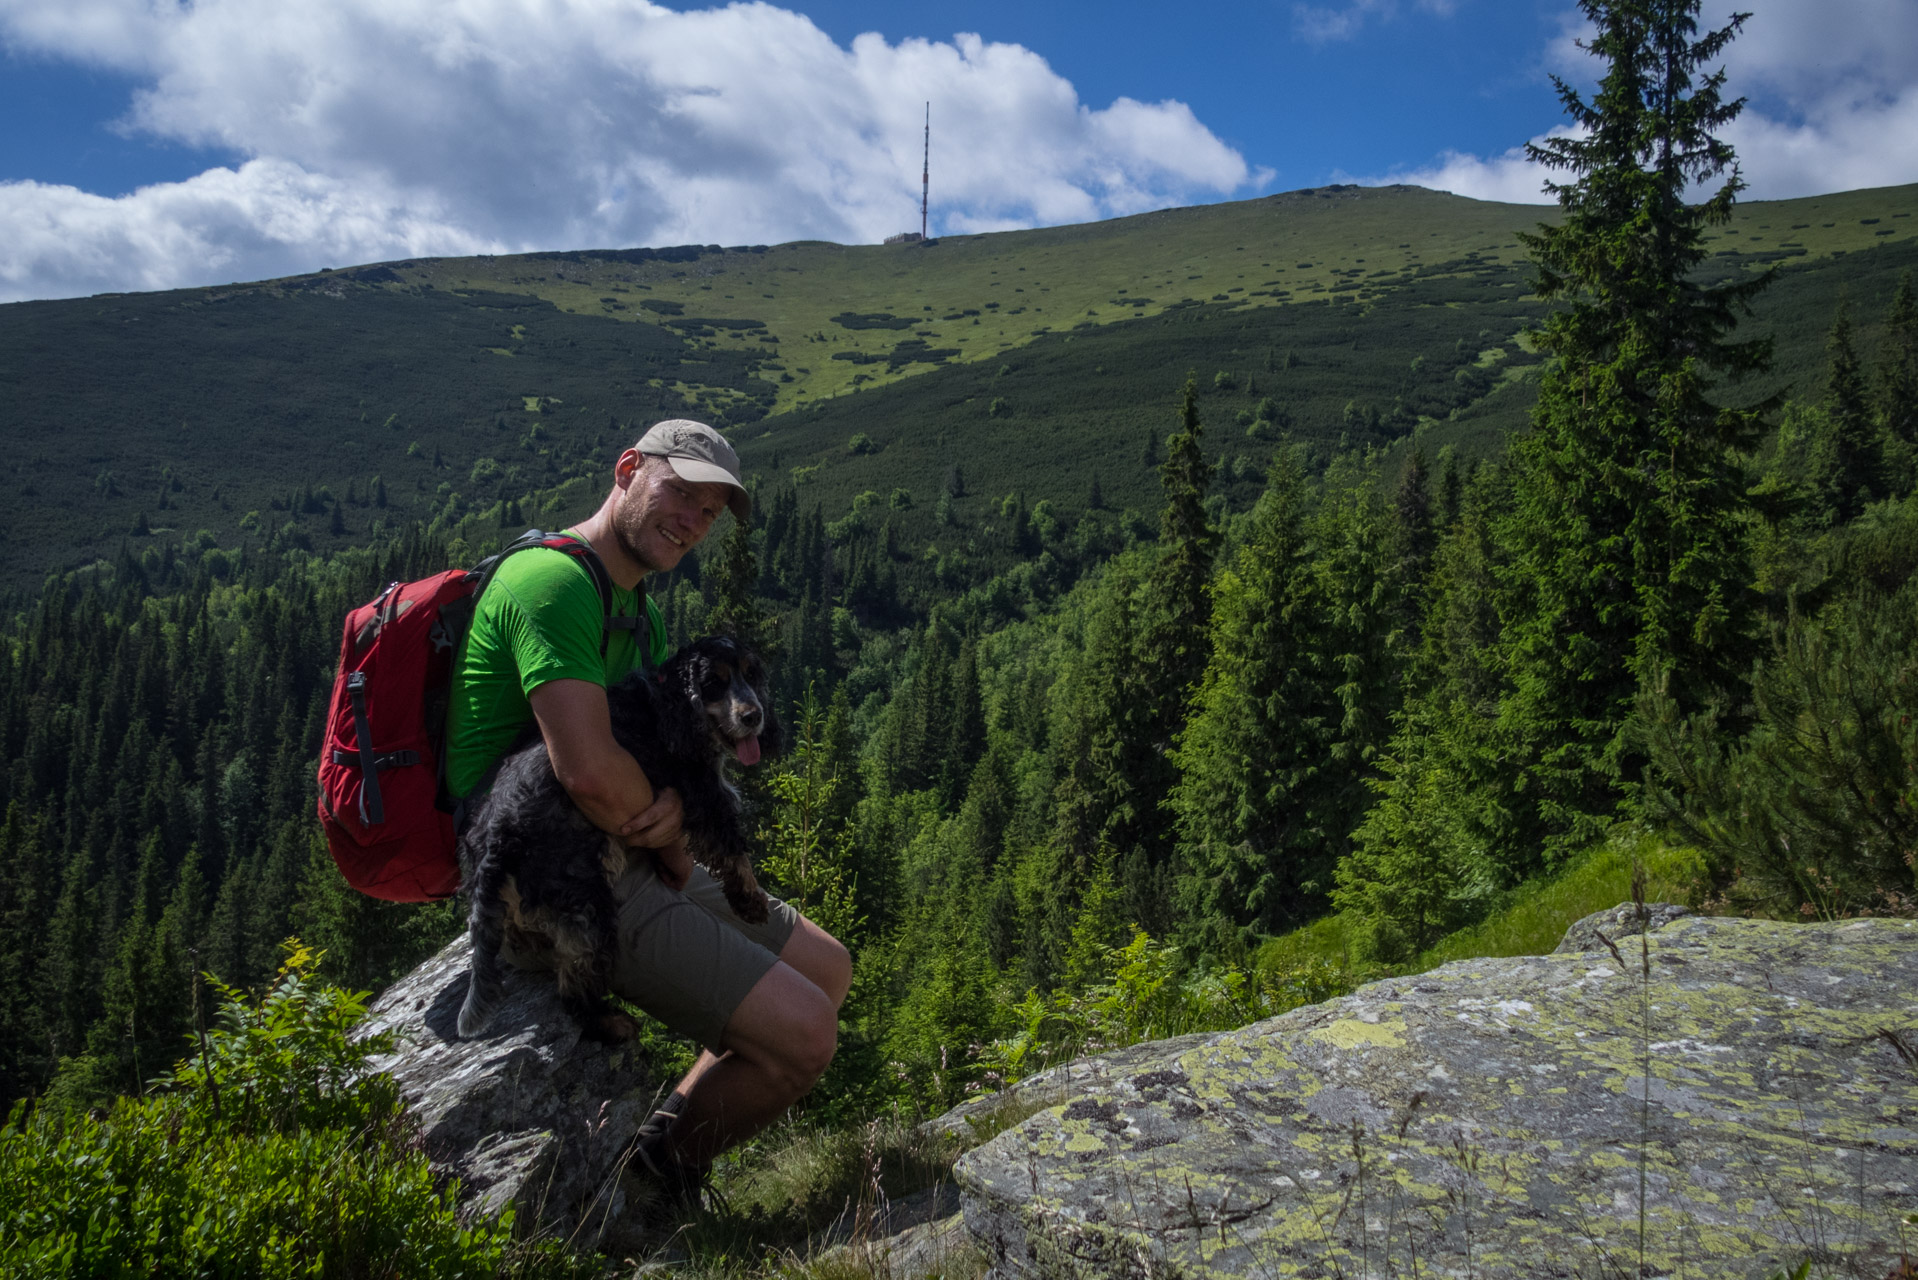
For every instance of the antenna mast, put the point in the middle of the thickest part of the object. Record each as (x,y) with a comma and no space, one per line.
(925,174)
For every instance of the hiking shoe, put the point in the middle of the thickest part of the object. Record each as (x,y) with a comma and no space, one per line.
(648,1162)
(656,1181)
(647,1148)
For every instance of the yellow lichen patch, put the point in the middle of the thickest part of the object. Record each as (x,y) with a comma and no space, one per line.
(1351,1033)
(1082,1140)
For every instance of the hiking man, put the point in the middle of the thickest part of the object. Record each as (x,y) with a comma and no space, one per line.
(762,1000)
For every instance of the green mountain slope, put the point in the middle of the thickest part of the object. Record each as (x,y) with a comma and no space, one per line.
(1035,360)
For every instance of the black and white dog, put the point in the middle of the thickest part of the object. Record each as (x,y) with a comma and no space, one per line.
(540,873)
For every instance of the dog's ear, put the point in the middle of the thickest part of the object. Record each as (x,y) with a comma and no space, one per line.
(693,674)
(772,734)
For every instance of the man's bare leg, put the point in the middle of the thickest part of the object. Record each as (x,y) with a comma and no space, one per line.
(777,1044)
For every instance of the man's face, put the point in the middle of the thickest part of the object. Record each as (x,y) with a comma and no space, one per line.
(660,516)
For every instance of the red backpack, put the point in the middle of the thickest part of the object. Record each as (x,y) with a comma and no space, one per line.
(383,800)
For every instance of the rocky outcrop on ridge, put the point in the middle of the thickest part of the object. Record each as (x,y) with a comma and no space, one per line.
(527,1115)
(1752,1103)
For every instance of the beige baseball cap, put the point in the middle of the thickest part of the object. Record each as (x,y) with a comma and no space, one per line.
(699,454)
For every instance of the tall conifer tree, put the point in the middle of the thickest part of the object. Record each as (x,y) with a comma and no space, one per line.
(1626,557)
(1847,459)
(1898,367)
(1250,838)
(735,578)
(1169,655)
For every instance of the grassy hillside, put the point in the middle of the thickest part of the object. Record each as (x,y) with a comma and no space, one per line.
(1035,360)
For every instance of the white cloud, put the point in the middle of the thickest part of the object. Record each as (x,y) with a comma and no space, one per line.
(1510,178)
(1323,24)
(1832,103)
(221,225)
(392,128)
(1833,96)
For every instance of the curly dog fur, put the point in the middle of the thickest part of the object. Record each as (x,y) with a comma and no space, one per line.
(540,872)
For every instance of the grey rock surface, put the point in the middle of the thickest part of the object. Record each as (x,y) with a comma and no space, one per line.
(530,1114)
(923,1234)
(1626,920)
(1495,1118)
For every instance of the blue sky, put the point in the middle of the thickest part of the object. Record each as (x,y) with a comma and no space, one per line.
(1394,95)
(150,144)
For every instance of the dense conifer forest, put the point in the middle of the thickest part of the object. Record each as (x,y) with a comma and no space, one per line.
(1372,690)
(1072,749)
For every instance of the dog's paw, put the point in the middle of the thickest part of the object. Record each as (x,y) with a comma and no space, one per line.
(475,1014)
(610,1028)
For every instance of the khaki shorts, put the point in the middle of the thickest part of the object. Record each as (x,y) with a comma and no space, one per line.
(683,956)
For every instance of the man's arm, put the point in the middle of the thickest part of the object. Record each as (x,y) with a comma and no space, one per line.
(603,778)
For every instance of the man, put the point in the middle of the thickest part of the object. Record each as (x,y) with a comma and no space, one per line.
(762,1000)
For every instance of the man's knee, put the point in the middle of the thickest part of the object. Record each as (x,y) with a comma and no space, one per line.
(835,970)
(811,1052)
(822,958)
(788,1027)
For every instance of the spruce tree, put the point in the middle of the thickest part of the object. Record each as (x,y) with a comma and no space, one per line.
(1898,368)
(735,610)
(1168,659)
(1362,590)
(1188,543)
(1624,540)
(967,732)
(1847,464)
(1417,536)
(1251,836)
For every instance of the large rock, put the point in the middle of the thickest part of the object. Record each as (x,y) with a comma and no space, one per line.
(1495,1118)
(530,1114)
(1626,920)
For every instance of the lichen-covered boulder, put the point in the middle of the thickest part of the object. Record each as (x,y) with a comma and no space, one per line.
(1752,1103)
(530,1114)
(1626,920)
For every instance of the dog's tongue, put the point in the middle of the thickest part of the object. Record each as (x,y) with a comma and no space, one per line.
(748,750)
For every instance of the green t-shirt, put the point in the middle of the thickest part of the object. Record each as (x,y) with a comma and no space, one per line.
(539,619)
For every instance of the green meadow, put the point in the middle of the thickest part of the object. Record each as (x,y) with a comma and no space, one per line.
(330,408)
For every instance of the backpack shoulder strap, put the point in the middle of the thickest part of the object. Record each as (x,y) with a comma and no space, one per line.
(610,621)
(583,552)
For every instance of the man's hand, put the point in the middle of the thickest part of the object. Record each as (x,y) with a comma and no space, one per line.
(657,826)
(657,829)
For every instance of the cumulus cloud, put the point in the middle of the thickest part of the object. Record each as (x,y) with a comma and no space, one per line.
(394,128)
(1832,103)
(1510,177)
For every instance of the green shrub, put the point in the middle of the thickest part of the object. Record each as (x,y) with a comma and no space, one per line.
(271,1151)
(1145,995)
(1815,811)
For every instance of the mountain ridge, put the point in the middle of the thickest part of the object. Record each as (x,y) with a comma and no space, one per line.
(291,408)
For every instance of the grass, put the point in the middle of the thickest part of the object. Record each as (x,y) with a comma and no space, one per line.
(1536,918)
(1532,919)
(788,1205)
(1304,243)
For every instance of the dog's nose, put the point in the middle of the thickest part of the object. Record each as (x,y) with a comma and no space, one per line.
(750,715)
